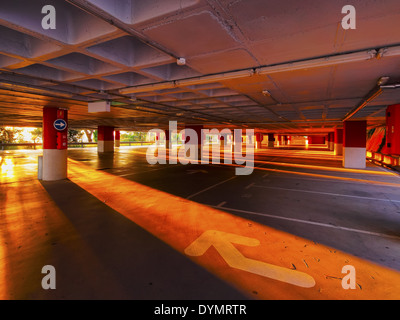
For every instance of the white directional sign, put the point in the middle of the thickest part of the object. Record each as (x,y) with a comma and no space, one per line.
(60,124)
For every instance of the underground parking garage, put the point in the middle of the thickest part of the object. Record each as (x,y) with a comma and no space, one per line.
(267,166)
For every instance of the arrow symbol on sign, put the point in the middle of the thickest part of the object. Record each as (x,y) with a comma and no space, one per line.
(60,124)
(222,242)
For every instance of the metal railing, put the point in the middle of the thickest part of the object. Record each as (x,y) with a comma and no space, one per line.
(385,160)
(13,146)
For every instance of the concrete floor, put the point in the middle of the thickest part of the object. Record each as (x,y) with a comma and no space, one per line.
(119,228)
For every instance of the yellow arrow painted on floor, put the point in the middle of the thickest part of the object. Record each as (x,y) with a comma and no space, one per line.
(223,243)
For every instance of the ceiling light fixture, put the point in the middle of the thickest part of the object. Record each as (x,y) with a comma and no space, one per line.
(320,62)
(392,51)
(391,86)
(188,82)
(279,68)
(181,61)
(382,81)
(148,88)
(215,78)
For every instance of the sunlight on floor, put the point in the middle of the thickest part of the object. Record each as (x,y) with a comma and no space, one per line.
(180,223)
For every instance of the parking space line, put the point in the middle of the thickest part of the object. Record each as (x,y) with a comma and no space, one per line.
(143,171)
(371,233)
(221,204)
(281,175)
(210,187)
(250,185)
(323,193)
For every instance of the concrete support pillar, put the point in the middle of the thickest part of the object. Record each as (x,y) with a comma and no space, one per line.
(158,138)
(117,138)
(331,141)
(338,142)
(55,144)
(250,139)
(198,129)
(282,140)
(328,141)
(223,141)
(271,140)
(354,144)
(105,139)
(259,138)
(168,142)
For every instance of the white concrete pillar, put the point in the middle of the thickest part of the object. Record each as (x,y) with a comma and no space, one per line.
(338,142)
(271,140)
(354,144)
(55,144)
(105,139)
(117,138)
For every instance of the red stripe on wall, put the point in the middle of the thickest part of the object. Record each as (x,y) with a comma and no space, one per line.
(316,139)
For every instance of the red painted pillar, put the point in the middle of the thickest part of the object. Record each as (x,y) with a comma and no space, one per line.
(196,129)
(117,138)
(55,144)
(393,129)
(328,140)
(158,138)
(168,142)
(223,141)
(354,144)
(271,140)
(338,142)
(105,139)
(282,140)
(183,138)
(331,141)
(194,140)
(259,138)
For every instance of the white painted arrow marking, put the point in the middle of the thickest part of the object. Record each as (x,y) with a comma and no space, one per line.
(222,242)
(196,171)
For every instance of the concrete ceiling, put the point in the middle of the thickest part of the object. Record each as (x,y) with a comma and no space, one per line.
(101,47)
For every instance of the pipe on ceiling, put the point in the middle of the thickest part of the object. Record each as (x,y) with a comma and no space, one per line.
(267,70)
